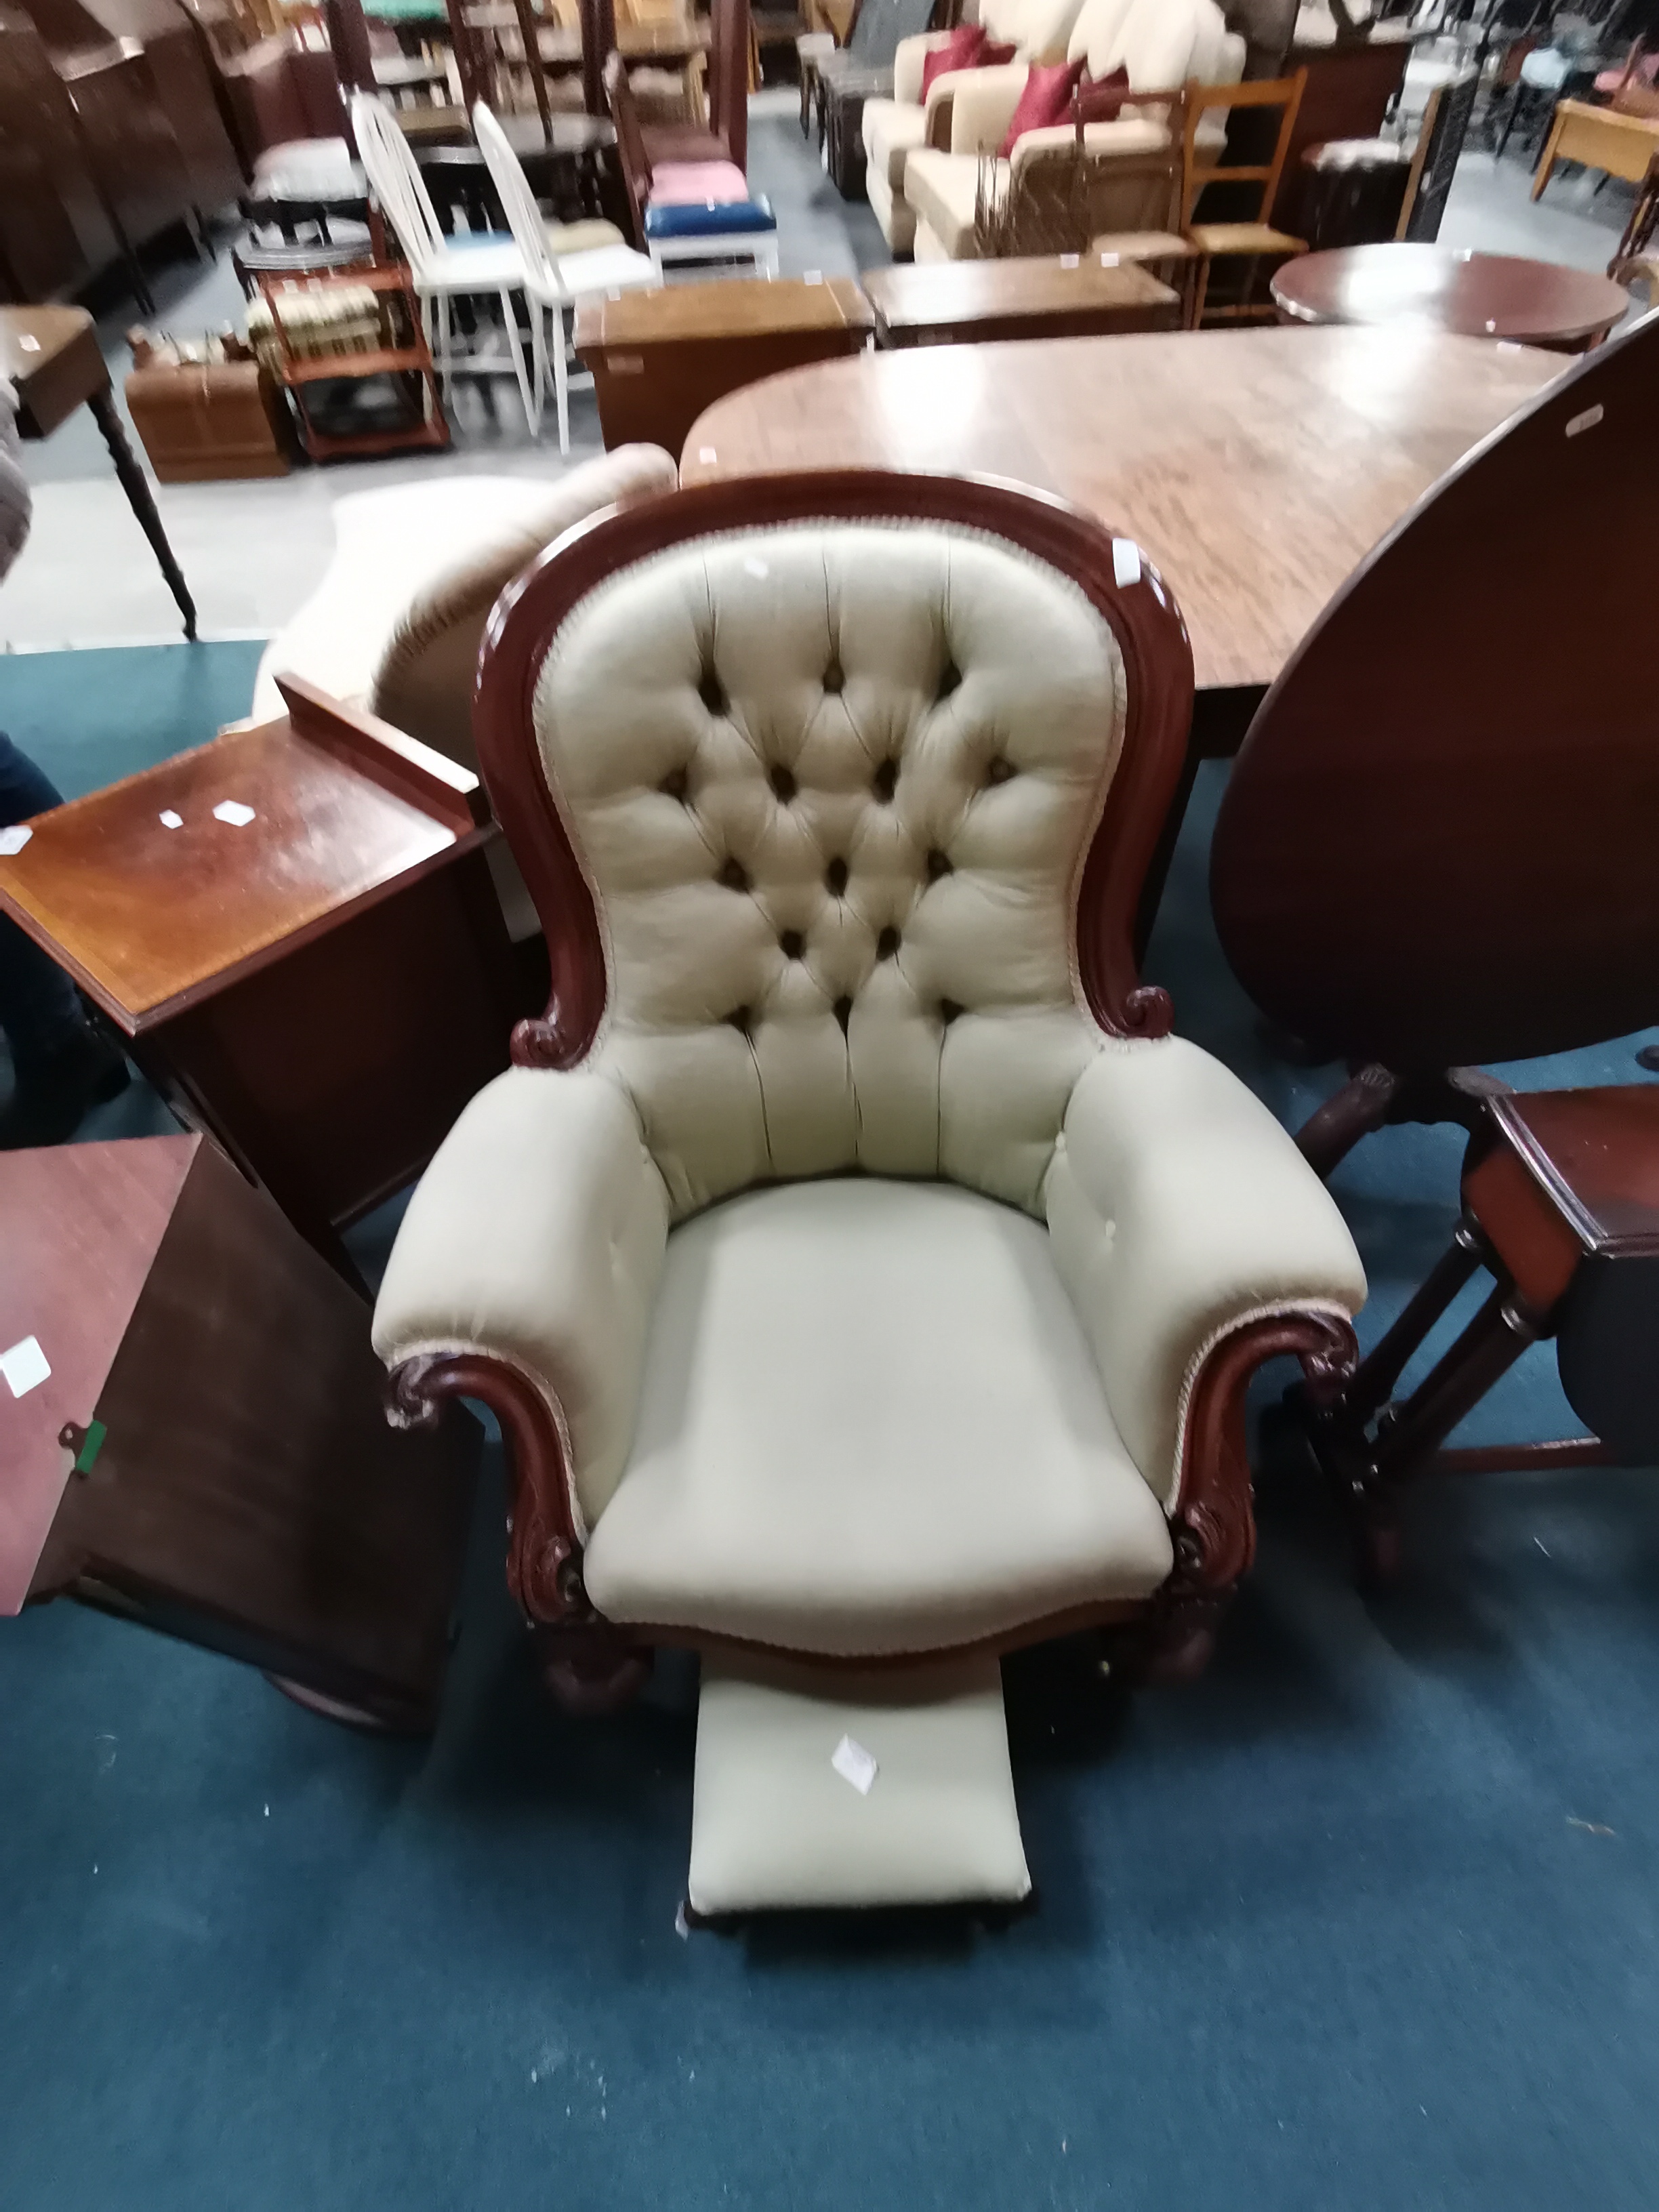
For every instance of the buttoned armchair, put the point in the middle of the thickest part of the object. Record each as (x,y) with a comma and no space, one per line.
(861,1270)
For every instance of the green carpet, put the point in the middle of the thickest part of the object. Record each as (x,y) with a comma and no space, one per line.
(90,718)
(1367,1919)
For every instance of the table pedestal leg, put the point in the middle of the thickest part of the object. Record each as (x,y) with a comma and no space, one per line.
(136,485)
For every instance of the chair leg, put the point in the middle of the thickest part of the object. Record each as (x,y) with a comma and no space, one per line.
(509,313)
(1516,100)
(539,355)
(1200,290)
(561,379)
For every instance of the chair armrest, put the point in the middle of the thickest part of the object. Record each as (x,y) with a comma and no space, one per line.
(982,104)
(1179,1210)
(536,1237)
(1102,142)
(908,60)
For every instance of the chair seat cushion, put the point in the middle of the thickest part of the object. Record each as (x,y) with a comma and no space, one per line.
(696,184)
(871,1424)
(943,188)
(585,237)
(1141,245)
(1243,238)
(892,134)
(709,219)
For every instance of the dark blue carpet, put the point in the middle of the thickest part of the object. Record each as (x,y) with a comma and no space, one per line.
(1365,1919)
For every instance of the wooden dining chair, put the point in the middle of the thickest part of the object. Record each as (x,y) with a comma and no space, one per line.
(1253,241)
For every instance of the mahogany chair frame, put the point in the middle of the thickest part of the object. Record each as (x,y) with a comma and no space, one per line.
(586,1659)
(1285,94)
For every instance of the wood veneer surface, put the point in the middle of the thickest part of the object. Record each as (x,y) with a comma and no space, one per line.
(1256,467)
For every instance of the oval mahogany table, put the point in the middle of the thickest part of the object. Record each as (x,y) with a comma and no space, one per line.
(1257,468)
(1490,295)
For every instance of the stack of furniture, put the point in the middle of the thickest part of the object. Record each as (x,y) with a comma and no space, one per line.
(688,202)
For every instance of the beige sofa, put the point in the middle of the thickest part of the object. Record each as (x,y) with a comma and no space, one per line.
(928,209)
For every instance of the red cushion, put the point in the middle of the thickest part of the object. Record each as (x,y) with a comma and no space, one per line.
(967,47)
(1046,100)
(960,50)
(1098,99)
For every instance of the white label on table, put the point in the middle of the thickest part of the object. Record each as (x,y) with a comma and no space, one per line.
(1126,560)
(1587,421)
(15,839)
(706,456)
(853,1763)
(1070,260)
(1109,261)
(28,345)
(24,1365)
(233,812)
(813,277)
(169,820)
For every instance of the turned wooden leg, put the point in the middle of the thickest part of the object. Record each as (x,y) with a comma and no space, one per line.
(1332,1130)
(136,485)
(1383,1367)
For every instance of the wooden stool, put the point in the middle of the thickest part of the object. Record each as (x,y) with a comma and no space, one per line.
(1561,1209)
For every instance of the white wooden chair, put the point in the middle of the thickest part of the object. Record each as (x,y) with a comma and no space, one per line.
(552,280)
(443,268)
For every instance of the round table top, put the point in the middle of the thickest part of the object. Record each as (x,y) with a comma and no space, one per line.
(566,134)
(1256,467)
(1492,296)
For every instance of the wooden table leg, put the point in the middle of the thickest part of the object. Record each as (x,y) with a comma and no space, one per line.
(136,485)
(1547,159)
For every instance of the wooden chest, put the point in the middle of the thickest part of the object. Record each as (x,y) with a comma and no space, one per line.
(200,421)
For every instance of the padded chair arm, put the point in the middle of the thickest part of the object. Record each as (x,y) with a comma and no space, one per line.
(1180,1210)
(907,61)
(536,1237)
(982,104)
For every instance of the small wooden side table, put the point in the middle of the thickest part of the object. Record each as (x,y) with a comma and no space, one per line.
(191,1434)
(659,357)
(1475,295)
(1070,295)
(1561,1209)
(323,979)
(51,354)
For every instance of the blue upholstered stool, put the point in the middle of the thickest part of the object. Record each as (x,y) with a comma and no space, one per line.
(714,230)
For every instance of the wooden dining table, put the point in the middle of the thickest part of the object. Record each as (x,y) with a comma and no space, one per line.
(1256,468)
(1492,296)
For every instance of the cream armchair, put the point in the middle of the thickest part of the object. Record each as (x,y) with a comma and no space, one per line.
(866,1280)
(929,208)
(894,129)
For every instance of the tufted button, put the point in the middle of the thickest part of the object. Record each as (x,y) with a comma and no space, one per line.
(782,782)
(949,677)
(835,677)
(741,1018)
(1000,770)
(939,864)
(835,877)
(843,1012)
(792,944)
(887,944)
(712,692)
(884,781)
(948,1011)
(734,874)
(675,785)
